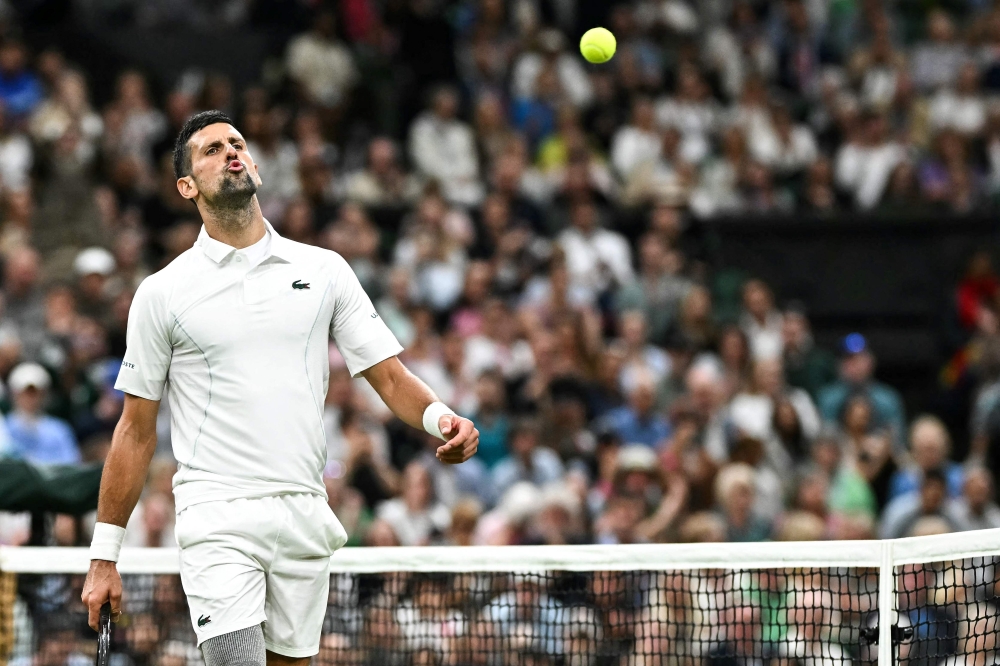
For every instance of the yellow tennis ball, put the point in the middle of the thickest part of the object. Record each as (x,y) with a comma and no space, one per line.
(598,45)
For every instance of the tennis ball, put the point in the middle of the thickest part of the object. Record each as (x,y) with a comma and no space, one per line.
(598,45)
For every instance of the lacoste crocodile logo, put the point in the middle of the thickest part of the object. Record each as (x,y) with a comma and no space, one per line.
(299,284)
(204,619)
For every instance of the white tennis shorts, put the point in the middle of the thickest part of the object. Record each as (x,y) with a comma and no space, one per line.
(249,561)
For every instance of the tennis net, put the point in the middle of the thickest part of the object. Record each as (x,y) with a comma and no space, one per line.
(928,601)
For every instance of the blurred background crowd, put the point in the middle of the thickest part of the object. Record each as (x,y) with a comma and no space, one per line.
(530,228)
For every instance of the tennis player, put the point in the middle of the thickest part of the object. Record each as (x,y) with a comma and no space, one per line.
(236,332)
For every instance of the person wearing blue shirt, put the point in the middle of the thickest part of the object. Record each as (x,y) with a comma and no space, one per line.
(930,446)
(857,369)
(20,90)
(637,421)
(34,435)
(527,461)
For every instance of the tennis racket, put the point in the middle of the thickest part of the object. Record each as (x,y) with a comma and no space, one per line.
(104,636)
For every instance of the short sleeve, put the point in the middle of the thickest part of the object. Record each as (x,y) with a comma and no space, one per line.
(148,347)
(360,334)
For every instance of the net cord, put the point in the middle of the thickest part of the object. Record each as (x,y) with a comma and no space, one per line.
(531,559)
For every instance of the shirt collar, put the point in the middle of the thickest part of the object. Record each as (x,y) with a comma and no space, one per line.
(217,251)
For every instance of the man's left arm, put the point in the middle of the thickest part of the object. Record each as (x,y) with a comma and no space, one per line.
(409,398)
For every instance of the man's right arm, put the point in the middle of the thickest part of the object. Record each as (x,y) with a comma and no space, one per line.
(124,475)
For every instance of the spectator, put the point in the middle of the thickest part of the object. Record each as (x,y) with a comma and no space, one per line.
(433,253)
(321,64)
(812,639)
(864,164)
(691,111)
(151,524)
(383,183)
(938,60)
(740,636)
(930,446)
(443,148)
(637,143)
(976,293)
(962,109)
(93,267)
(717,190)
(131,121)
(902,513)
(20,90)
(761,320)
(24,306)
(753,411)
(789,150)
(977,506)
(352,235)
(857,368)
(807,365)
(734,494)
(640,355)
(550,53)
(597,259)
(637,422)
(36,436)
(659,288)
(491,419)
(277,160)
(16,154)
(527,460)
(416,517)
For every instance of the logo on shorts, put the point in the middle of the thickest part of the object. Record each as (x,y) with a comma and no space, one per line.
(299,284)
(204,619)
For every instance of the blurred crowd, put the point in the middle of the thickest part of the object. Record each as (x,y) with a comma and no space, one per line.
(529,233)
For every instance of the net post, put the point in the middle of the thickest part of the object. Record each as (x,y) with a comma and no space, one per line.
(886,604)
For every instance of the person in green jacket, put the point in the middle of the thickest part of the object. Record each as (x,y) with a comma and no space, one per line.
(807,365)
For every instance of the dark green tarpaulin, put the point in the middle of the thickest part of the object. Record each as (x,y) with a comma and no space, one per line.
(70,489)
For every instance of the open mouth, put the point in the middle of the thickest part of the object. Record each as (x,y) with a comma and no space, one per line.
(235,166)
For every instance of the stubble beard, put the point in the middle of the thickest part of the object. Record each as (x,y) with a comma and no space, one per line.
(232,204)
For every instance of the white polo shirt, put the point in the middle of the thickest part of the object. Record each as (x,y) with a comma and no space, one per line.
(240,345)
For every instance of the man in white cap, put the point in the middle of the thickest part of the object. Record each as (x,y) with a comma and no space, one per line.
(93,267)
(36,436)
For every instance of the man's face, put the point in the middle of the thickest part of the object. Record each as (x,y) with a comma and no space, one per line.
(857,368)
(794,329)
(29,400)
(222,170)
(977,489)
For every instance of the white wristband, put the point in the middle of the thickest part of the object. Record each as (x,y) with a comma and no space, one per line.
(432,418)
(107,543)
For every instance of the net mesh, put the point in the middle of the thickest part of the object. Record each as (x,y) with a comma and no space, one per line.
(945,614)
(717,617)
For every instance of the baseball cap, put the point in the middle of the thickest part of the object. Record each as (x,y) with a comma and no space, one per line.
(853,343)
(26,375)
(637,458)
(94,260)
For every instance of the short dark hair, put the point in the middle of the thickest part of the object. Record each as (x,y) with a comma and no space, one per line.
(199,121)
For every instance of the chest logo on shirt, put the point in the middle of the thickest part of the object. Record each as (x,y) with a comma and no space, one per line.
(299,284)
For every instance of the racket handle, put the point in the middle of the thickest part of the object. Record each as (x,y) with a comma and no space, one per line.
(104,636)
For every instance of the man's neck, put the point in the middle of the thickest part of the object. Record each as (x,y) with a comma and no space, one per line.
(237,228)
